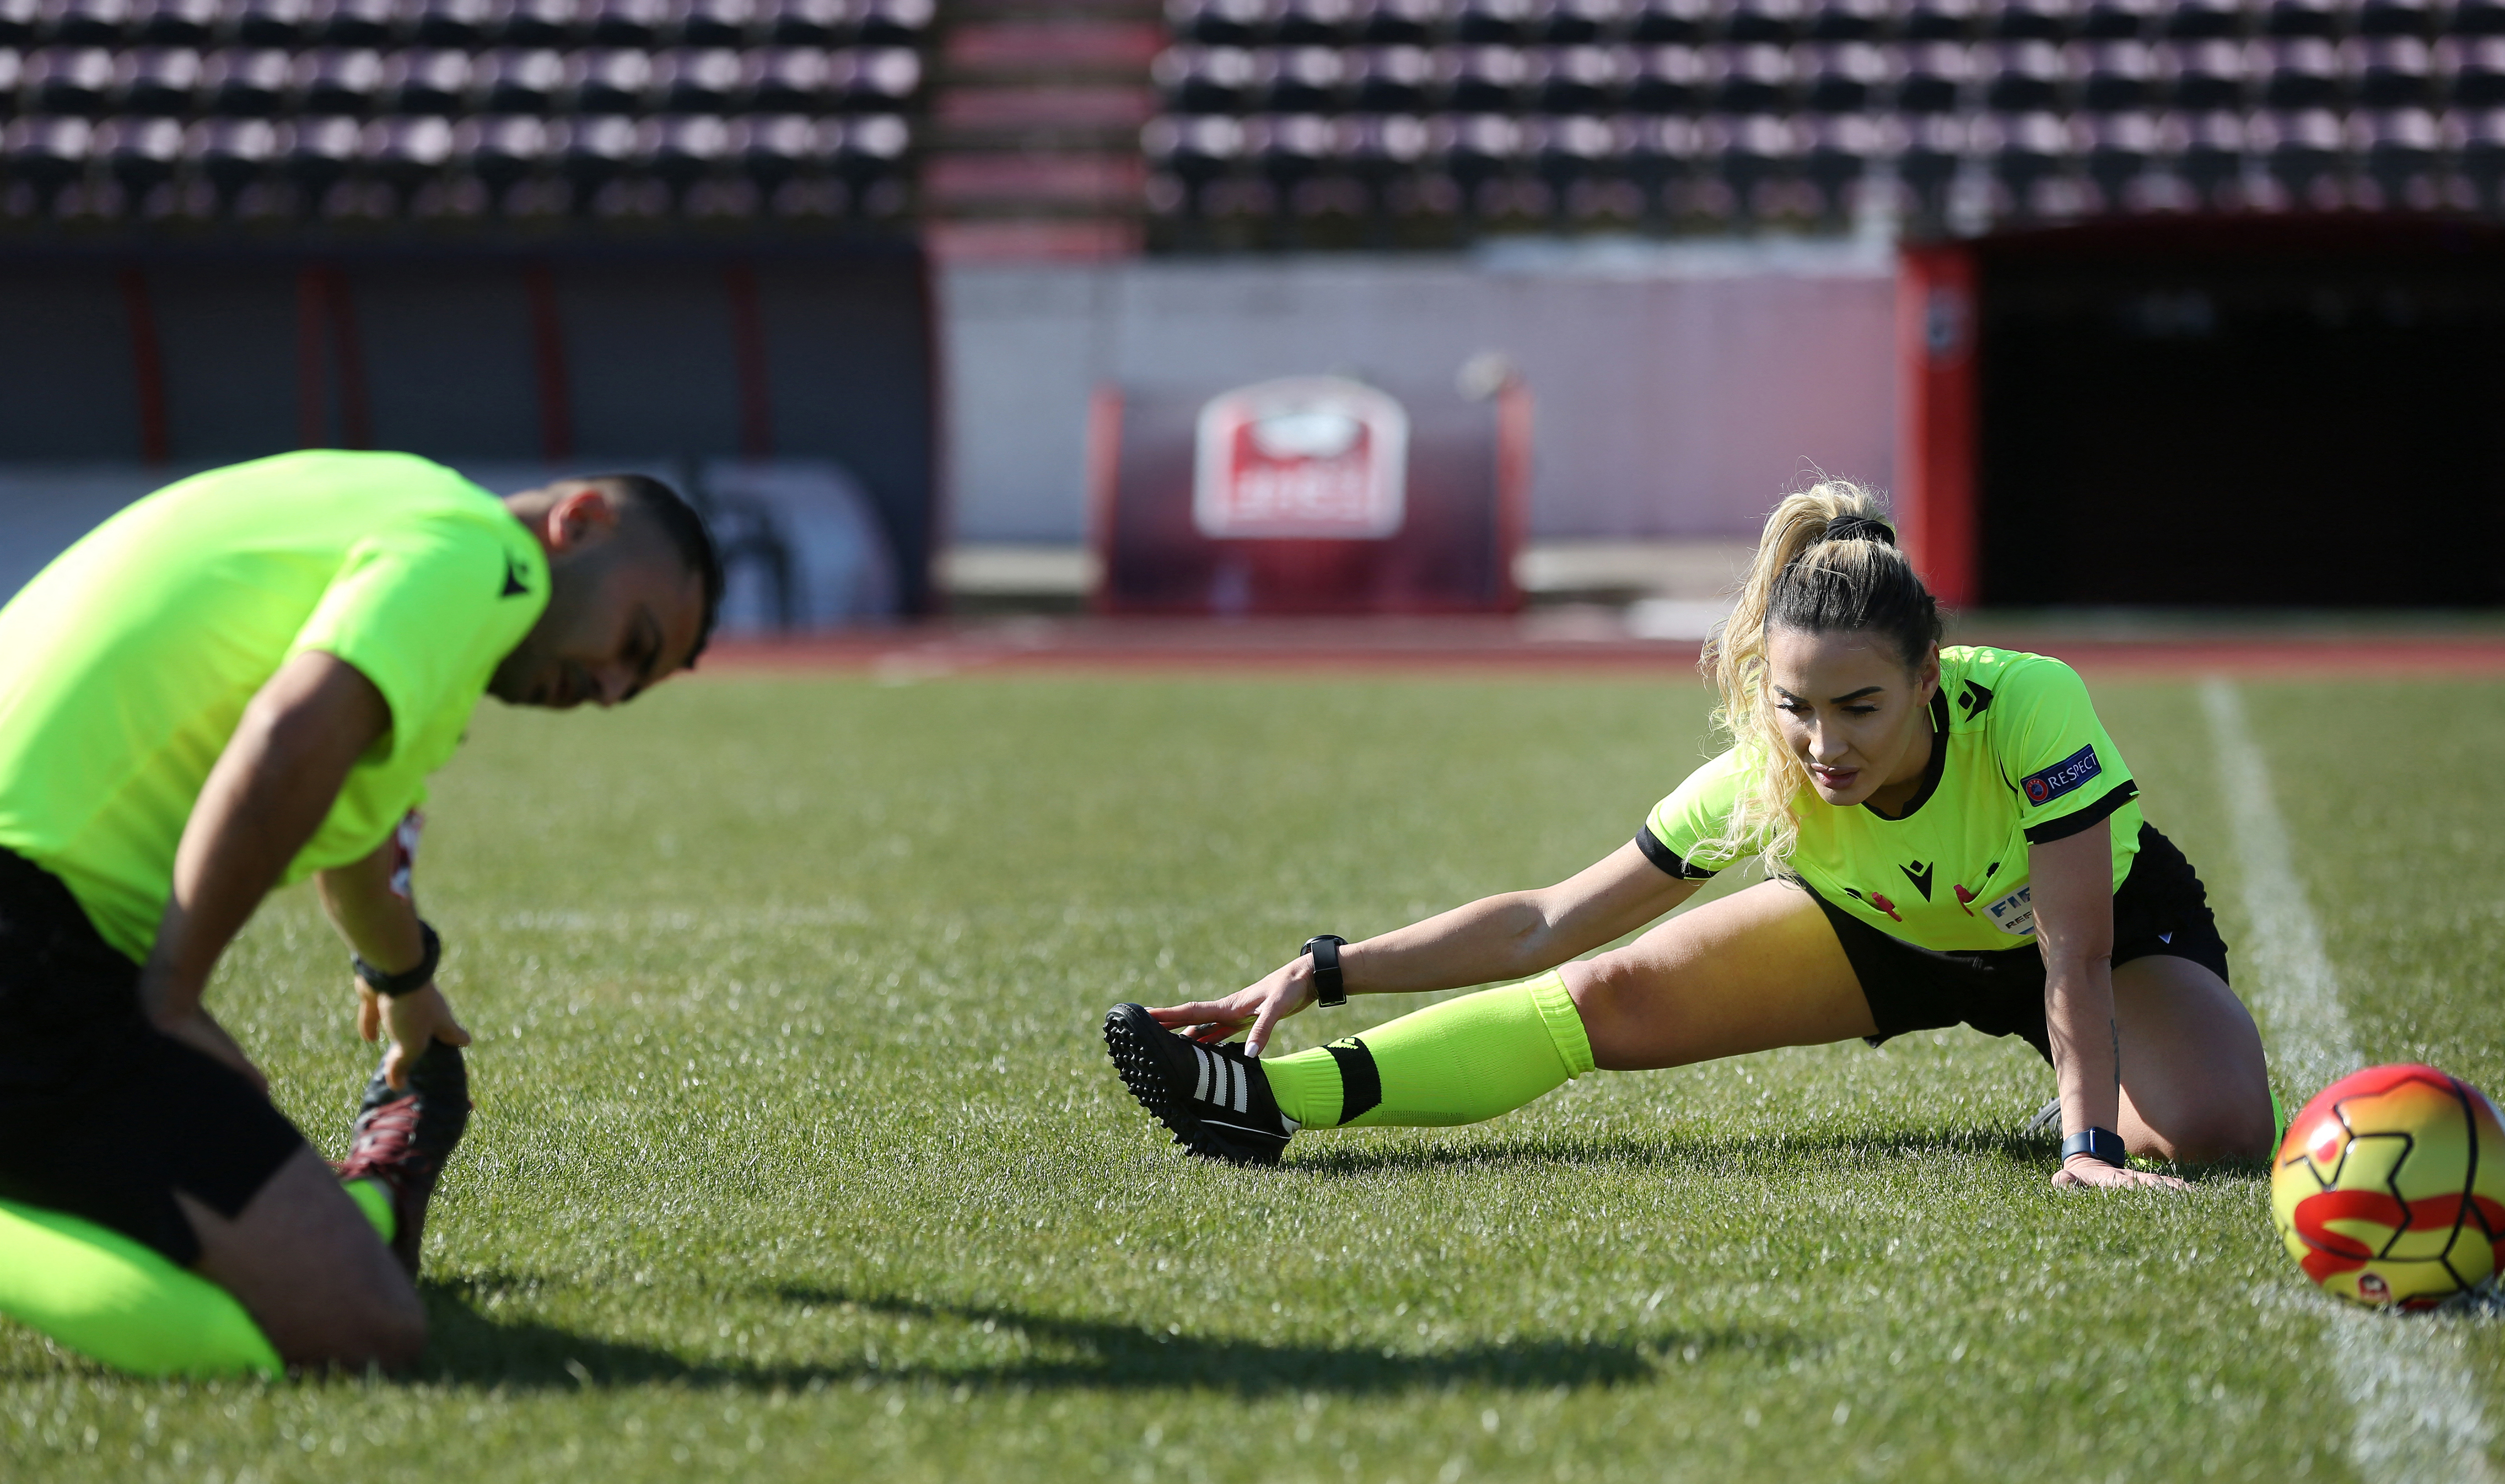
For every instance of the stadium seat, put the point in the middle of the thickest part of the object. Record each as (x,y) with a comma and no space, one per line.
(173,23)
(1842,149)
(717,22)
(2118,148)
(1936,20)
(2207,150)
(2202,74)
(537,23)
(2388,71)
(635,24)
(1669,78)
(317,153)
(1671,21)
(2020,148)
(2022,76)
(1493,22)
(248,82)
(1934,77)
(272,22)
(518,81)
(609,80)
(1844,77)
(1848,21)
(2302,18)
(502,148)
(465,23)
(140,154)
(2472,70)
(1483,78)
(431,80)
(2121,19)
(157,80)
(1748,79)
(338,80)
(2477,17)
(2297,72)
(2203,20)
(2400,150)
(1307,79)
(2028,19)
(1775,22)
(2114,74)
(70,80)
(1397,22)
(2302,151)
(595,151)
(2395,18)
(1581,78)
(1383,80)
(354,23)
(86,23)
(47,152)
(706,81)
(230,153)
(2476,140)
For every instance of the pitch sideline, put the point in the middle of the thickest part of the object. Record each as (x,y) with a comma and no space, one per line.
(2419,1417)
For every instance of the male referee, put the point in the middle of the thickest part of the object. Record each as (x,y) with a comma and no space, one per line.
(240,681)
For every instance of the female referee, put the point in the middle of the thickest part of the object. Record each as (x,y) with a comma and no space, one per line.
(1949,836)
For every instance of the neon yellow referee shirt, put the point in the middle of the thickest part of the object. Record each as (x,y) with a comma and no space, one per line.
(2025,761)
(126,664)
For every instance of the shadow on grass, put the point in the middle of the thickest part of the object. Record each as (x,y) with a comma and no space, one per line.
(1747,1155)
(472,1348)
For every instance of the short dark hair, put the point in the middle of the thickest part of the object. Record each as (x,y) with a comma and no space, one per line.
(685,530)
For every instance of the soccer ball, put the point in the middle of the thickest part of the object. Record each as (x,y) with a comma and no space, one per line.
(2389,1188)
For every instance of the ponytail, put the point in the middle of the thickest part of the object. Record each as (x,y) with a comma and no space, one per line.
(1826,564)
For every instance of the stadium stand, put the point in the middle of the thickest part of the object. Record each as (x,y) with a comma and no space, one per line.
(1390,123)
(199,112)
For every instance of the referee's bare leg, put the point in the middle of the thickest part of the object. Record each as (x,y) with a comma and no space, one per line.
(307,1265)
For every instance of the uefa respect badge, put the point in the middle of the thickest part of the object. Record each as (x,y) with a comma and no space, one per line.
(1310,457)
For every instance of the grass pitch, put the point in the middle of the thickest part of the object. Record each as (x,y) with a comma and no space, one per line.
(798,1154)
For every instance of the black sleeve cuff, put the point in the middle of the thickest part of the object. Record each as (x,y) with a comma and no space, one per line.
(1669,859)
(2067,825)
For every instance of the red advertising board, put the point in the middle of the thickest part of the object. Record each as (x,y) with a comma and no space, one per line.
(1307,494)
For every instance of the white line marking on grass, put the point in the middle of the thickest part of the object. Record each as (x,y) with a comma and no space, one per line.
(2417,1417)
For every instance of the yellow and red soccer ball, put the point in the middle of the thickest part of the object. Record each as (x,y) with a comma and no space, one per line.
(2389,1188)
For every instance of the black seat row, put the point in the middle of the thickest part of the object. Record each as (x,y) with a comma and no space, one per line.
(470,24)
(268,81)
(1568,21)
(1840,77)
(1206,142)
(512,162)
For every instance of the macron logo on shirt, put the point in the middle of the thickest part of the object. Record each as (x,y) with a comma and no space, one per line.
(2062,777)
(514,584)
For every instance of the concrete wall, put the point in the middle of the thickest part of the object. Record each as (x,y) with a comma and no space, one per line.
(1678,390)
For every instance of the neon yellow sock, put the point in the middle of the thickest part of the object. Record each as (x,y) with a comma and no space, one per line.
(1458,1063)
(377,1203)
(115,1300)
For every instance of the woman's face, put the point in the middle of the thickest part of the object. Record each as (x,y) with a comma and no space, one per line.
(1850,711)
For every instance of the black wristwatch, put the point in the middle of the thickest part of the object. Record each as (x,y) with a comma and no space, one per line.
(2096,1143)
(1328,990)
(389,984)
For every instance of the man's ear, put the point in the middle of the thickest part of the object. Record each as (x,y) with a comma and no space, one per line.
(582,512)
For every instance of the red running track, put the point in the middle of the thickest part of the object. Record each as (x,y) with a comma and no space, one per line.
(1559,643)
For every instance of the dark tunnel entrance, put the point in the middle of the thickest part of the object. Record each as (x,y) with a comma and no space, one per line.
(2246,413)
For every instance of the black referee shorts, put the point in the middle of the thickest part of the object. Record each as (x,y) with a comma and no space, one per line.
(102,1115)
(2159,907)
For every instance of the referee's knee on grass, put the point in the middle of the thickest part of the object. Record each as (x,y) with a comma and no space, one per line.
(387,1330)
